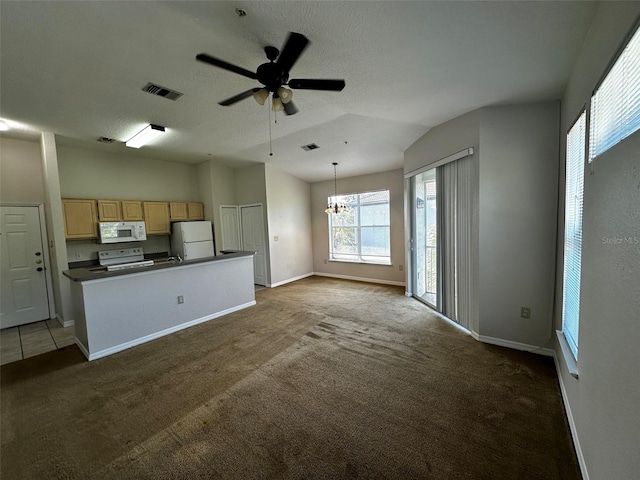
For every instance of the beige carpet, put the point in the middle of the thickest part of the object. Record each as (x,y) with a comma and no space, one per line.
(323,378)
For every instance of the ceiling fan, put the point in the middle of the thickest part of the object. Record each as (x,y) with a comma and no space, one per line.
(274,75)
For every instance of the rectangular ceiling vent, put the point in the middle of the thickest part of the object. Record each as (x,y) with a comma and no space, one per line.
(311,146)
(161,91)
(106,140)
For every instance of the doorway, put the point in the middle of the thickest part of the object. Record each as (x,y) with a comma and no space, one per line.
(25,296)
(253,239)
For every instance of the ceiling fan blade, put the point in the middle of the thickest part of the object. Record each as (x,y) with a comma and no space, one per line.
(317,84)
(237,98)
(293,48)
(289,108)
(203,57)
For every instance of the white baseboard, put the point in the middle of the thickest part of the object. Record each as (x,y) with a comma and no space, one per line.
(515,345)
(360,279)
(299,277)
(572,423)
(162,333)
(65,323)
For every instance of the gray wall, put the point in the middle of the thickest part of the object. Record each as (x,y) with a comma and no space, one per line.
(289,213)
(392,180)
(518,204)
(603,404)
(21,178)
(514,219)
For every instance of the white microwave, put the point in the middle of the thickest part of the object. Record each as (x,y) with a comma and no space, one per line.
(120,232)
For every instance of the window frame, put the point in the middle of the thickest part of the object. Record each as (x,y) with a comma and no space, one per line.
(619,128)
(359,257)
(571,332)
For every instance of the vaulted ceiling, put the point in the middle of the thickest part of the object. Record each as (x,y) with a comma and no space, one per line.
(77,69)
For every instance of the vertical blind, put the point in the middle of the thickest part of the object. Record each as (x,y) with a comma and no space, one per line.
(573,232)
(615,105)
(456,215)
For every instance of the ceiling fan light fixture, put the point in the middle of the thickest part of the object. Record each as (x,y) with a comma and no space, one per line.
(261,96)
(285,94)
(276,104)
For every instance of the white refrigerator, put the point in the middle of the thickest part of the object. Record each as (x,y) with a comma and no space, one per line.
(192,240)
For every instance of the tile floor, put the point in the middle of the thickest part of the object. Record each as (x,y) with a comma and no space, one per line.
(33,339)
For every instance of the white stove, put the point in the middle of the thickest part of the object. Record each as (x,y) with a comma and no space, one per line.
(123,259)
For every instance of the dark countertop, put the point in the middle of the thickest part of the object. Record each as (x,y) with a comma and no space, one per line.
(97,272)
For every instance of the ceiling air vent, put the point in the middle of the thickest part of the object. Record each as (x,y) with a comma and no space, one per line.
(311,146)
(106,140)
(161,91)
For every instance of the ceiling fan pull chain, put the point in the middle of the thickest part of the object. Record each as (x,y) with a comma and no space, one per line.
(270,146)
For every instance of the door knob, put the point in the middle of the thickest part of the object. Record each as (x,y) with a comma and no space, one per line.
(39,269)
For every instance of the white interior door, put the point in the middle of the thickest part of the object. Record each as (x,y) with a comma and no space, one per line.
(24,284)
(230,221)
(253,240)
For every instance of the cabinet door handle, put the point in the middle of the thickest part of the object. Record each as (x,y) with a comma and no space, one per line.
(39,269)
(38,254)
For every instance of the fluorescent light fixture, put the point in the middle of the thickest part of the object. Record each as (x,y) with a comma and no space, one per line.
(3,126)
(145,135)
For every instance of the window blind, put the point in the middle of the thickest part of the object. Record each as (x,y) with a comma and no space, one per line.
(615,105)
(573,232)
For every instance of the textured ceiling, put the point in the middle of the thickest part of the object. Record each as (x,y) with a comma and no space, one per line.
(77,68)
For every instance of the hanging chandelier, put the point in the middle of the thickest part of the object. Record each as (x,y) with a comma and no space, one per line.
(335,207)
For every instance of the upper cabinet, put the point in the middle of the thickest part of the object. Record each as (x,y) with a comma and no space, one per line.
(156,218)
(132,211)
(195,210)
(185,211)
(80,218)
(109,211)
(178,211)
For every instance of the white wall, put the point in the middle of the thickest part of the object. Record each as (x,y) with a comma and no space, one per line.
(88,173)
(393,181)
(21,177)
(603,402)
(518,205)
(289,214)
(217,186)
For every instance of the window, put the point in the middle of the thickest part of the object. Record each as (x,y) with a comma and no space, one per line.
(361,233)
(573,232)
(615,105)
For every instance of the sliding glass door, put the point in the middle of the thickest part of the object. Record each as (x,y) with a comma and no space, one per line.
(425,214)
(442,236)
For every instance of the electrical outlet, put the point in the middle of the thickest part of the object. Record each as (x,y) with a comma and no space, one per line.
(78,256)
(401,267)
(156,248)
(525,312)
(325,261)
(276,238)
(180,298)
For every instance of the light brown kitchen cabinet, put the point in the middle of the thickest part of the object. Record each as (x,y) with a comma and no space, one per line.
(80,218)
(109,211)
(178,211)
(195,211)
(132,210)
(156,218)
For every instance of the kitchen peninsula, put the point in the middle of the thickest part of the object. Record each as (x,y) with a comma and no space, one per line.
(116,310)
